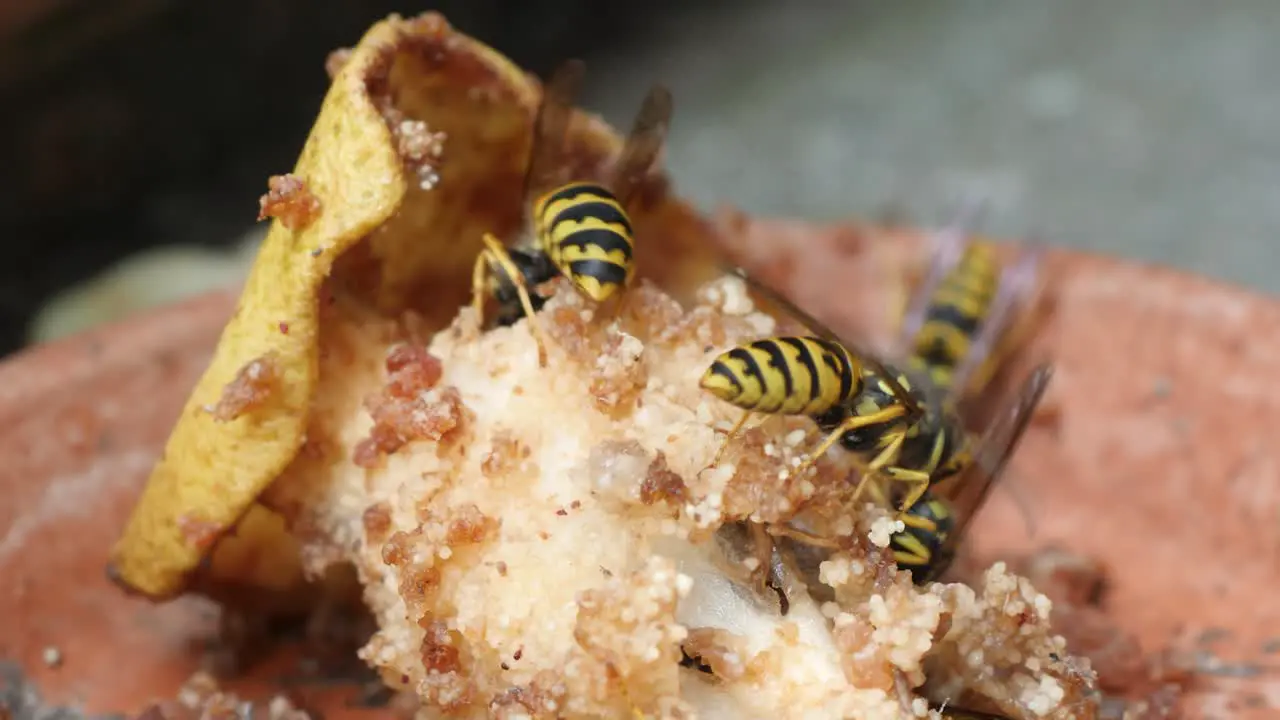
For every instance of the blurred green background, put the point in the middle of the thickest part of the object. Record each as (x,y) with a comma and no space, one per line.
(1146,129)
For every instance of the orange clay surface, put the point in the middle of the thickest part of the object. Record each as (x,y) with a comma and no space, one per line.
(1150,454)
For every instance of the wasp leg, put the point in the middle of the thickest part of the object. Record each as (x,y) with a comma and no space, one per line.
(536,269)
(763,573)
(480,285)
(496,253)
(733,432)
(878,493)
(920,523)
(878,465)
(853,422)
(738,430)
(919,481)
(998,335)
(909,560)
(807,538)
(762,544)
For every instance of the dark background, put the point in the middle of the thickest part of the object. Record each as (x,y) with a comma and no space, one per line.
(1145,129)
(134,123)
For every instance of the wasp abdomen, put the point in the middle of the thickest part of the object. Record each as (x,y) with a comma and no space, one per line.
(784,376)
(956,312)
(587,234)
(921,546)
(581,202)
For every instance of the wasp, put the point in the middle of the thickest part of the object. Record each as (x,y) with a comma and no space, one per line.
(893,426)
(935,525)
(798,375)
(897,424)
(579,229)
(956,331)
(959,324)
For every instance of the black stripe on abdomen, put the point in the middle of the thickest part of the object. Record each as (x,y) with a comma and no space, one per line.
(603,238)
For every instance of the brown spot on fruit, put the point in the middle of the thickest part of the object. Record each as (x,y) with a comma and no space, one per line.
(290,201)
(661,484)
(251,388)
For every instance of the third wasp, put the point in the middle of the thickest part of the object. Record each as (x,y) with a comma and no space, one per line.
(956,331)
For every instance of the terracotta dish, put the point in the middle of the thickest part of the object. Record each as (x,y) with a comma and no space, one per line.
(1149,455)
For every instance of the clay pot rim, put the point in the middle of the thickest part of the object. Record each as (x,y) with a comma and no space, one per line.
(81,351)
(26,374)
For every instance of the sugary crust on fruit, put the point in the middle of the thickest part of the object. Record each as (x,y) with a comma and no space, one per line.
(541,542)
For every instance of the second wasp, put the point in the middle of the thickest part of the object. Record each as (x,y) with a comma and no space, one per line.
(579,228)
(902,426)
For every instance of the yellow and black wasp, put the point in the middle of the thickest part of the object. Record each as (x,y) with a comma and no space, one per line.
(899,427)
(956,332)
(954,335)
(896,428)
(802,375)
(958,326)
(579,229)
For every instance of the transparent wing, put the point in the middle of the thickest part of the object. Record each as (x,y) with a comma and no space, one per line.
(908,400)
(551,126)
(648,134)
(995,448)
(1018,284)
(949,244)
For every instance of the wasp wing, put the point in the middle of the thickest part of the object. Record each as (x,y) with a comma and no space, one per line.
(551,127)
(908,400)
(1018,284)
(996,447)
(643,144)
